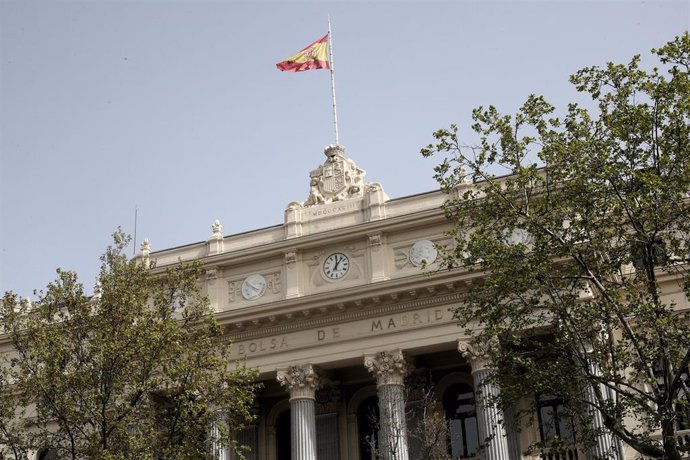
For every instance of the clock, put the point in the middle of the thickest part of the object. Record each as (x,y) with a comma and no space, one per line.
(253,287)
(336,266)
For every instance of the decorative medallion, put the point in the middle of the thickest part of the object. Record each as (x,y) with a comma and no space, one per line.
(518,236)
(423,252)
(253,287)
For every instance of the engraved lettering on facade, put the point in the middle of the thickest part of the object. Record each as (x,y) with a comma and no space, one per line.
(337,209)
(262,345)
(406,320)
(332,333)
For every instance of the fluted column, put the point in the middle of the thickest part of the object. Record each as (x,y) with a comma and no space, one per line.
(512,434)
(220,447)
(605,445)
(490,419)
(389,369)
(301,382)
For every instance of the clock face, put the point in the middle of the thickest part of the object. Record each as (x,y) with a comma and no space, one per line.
(336,266)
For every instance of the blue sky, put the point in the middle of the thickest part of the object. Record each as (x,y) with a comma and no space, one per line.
(176,107)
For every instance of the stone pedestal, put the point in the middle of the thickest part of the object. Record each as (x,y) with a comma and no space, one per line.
(301,382)
(389,369)
(490,419)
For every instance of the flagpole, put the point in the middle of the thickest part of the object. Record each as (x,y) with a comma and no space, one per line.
(332,67)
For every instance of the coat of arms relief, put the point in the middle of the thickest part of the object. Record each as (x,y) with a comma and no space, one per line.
(339,178)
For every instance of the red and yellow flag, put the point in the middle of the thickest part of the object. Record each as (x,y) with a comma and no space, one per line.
(314,56)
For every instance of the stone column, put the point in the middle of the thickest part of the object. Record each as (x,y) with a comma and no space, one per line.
(389,369)
(221,451)
(490,419)
(605,444)
(512,434)
(301,382)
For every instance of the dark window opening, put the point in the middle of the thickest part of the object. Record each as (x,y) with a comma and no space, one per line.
(283,438)
(47,454)
(368,427)
(554,423)
(459,406)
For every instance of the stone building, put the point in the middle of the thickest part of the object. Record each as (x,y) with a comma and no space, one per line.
(341,308)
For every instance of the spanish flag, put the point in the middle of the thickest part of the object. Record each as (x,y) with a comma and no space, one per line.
(314,56)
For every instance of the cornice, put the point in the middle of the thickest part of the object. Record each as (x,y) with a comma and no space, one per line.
(360,302)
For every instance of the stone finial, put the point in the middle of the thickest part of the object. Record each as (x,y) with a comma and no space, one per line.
(97,290)
(145,247)
(300,381)
(217,229)
(146,251)
(389,367)
(215,241)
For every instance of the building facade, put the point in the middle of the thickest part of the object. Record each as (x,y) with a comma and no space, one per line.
(351,326)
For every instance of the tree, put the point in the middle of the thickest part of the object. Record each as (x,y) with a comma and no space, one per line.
(427,428)
(584,246)
(138,371)
(12,441)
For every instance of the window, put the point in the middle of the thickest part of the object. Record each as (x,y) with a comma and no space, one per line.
(47,454)
(459,405)
(554,423)
(368,426)
(683,403)
(245,437)
(283,440)
(327,437)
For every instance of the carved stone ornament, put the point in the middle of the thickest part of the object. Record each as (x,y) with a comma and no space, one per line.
(339,178)
(423,252)
(217,229)
(300,381)
(146,252)
(389,367)
(476,355)
(145,247)
(375,240)
(253,286)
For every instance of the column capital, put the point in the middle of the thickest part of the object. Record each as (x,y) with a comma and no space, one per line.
(476,354)
(301,381)
(389,367)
